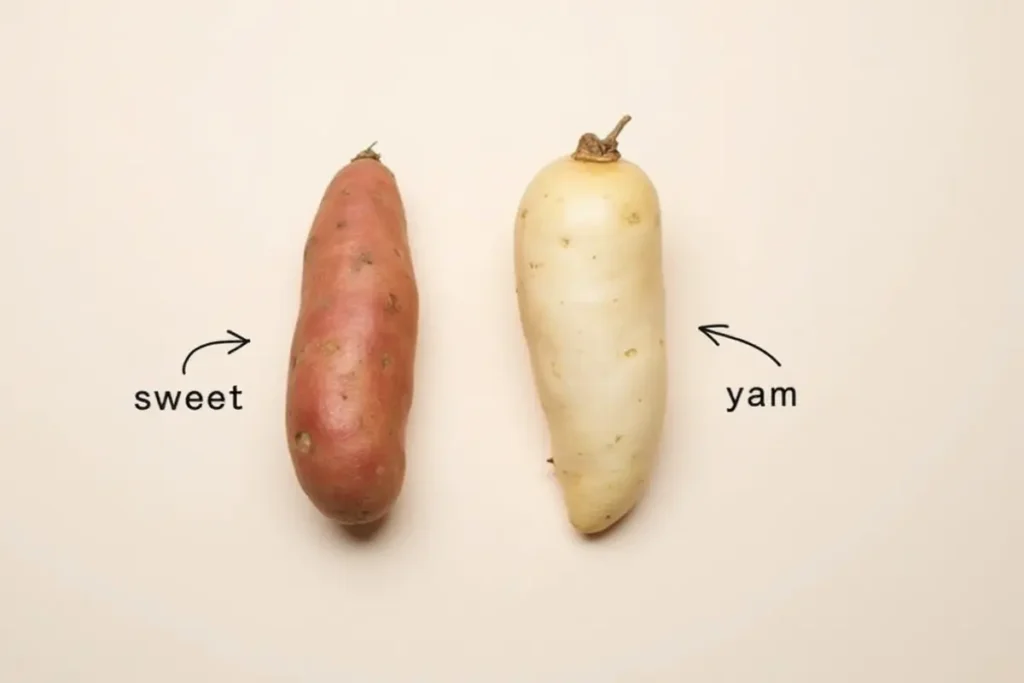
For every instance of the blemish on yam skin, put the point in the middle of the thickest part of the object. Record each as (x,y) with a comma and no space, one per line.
(522,214)
(554,371)
(397,252)
(392,305)
(330,346)
(341,225)
(630,353)
(385,361)
(303,443)
(661,342)
(565,241)
(534,265)
(618,438)
(291,363)
(633,218)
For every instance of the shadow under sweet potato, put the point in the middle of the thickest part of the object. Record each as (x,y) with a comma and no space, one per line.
(362,533)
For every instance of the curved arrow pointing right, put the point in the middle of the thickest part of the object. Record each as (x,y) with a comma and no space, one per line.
(239,341)
(713,331)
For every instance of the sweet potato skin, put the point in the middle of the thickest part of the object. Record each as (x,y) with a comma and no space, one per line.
(353,351)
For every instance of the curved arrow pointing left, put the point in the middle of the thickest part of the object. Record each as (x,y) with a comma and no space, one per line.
(238,340)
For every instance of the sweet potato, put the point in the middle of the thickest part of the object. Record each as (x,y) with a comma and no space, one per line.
(350,382)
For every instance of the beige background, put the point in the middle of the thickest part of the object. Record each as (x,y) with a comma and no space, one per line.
(841,183)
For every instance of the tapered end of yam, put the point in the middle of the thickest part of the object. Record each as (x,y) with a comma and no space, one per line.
(594,505)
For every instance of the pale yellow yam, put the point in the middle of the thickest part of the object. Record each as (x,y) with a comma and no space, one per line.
(588,263)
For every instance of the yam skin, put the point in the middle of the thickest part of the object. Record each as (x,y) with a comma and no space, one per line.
(591,298)
(353,351)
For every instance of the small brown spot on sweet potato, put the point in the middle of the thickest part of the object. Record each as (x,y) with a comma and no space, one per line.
(630,353)
(397,252)
(551,461)
(341,225)
(385,361)
(534,265)
(330,346)
(618,438)
(594,257)
(565,241)
(303,443)
(661,341)
(633,218)
(392,305)
(292,361)
(365,258)
(344,397)
(522,214)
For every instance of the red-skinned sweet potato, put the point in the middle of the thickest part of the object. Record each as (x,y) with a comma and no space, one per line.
(350,382)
